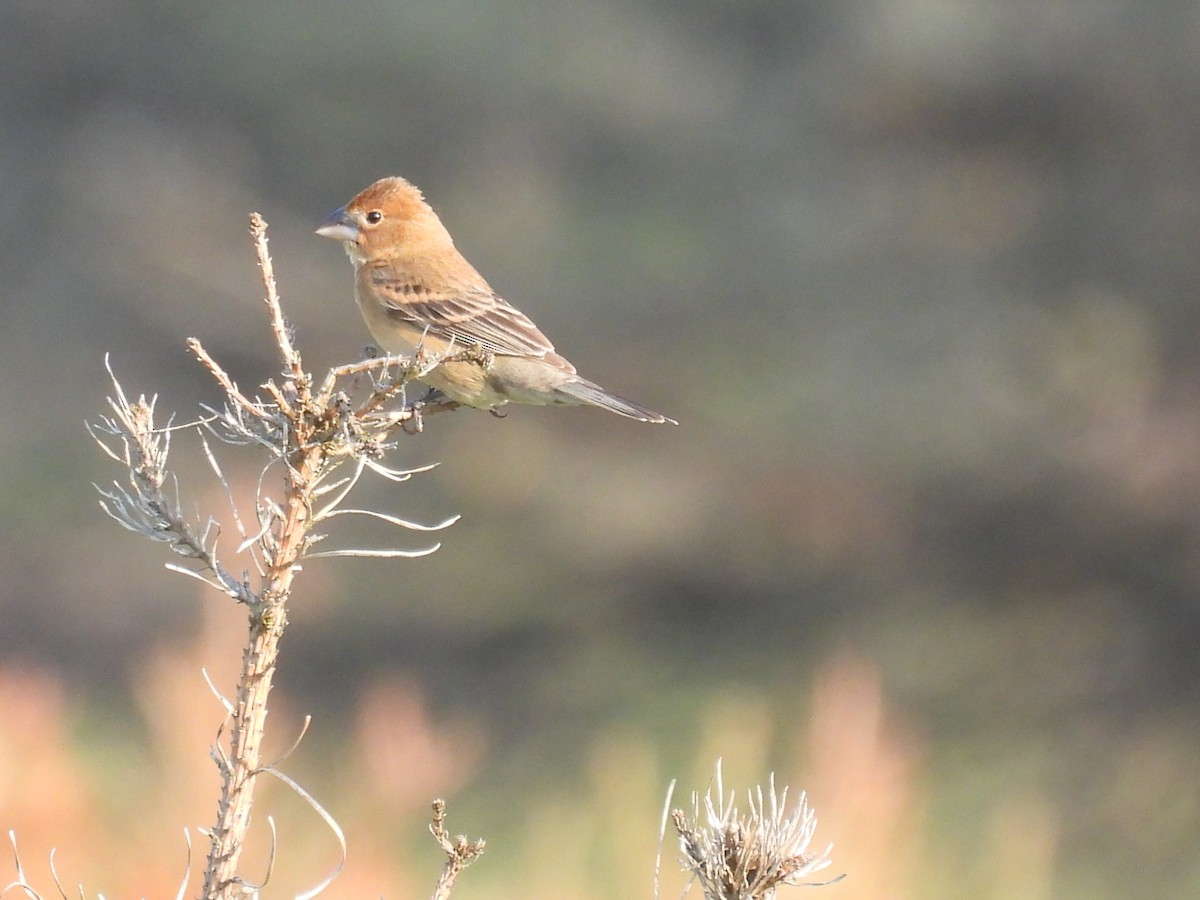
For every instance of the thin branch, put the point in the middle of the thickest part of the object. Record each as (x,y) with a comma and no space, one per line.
(62,891)
(187,868)
(201,577)
(397,475)
(329,820)
(460,852)
(223,379)
(224,482)
(393,520)
(253,888)
(283,340)
(21,882)
(346,485)
(221,698)
(662,836)
(296,743)
(376,554)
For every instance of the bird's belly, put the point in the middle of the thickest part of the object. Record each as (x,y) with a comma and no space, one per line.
(506,380)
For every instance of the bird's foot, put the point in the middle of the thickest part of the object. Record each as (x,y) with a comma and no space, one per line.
(434,401)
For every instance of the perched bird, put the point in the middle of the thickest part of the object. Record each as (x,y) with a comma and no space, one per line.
(415,289)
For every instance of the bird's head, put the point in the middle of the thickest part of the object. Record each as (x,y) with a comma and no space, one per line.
(388,219)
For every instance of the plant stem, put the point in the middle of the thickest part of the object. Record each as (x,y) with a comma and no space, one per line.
(268,618)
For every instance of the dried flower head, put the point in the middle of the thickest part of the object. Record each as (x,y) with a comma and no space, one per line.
(746,857)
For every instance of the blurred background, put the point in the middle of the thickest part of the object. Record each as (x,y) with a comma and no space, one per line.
(917,278)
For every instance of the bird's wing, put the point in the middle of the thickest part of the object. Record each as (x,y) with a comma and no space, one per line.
(471,316)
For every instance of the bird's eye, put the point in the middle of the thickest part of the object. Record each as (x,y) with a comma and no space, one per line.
(374,217)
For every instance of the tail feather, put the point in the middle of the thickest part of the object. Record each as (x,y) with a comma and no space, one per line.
(581,390)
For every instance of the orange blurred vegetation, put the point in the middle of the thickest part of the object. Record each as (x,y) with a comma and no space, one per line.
(123,835)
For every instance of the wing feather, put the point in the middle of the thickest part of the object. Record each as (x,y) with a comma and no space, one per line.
(471,316)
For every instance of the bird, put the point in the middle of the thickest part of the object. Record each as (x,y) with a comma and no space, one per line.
(415,290)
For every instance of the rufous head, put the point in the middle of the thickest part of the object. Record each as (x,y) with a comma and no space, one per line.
(389,217)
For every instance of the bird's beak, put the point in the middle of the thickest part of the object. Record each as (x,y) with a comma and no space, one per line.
(339,226)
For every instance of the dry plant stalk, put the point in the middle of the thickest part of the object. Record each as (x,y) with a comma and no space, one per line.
(320,441)
(459,851)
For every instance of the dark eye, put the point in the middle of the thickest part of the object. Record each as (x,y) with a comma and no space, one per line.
(374,217)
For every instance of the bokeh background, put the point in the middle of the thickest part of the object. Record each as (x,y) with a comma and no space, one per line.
(918,279)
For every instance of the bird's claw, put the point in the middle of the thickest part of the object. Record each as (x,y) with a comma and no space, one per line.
(415,423)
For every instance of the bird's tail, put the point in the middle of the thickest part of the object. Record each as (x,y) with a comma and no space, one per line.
(581,390)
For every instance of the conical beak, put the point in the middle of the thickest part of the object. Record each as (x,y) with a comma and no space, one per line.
(339,226)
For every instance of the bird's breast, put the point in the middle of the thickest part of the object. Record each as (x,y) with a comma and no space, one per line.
(391,333)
